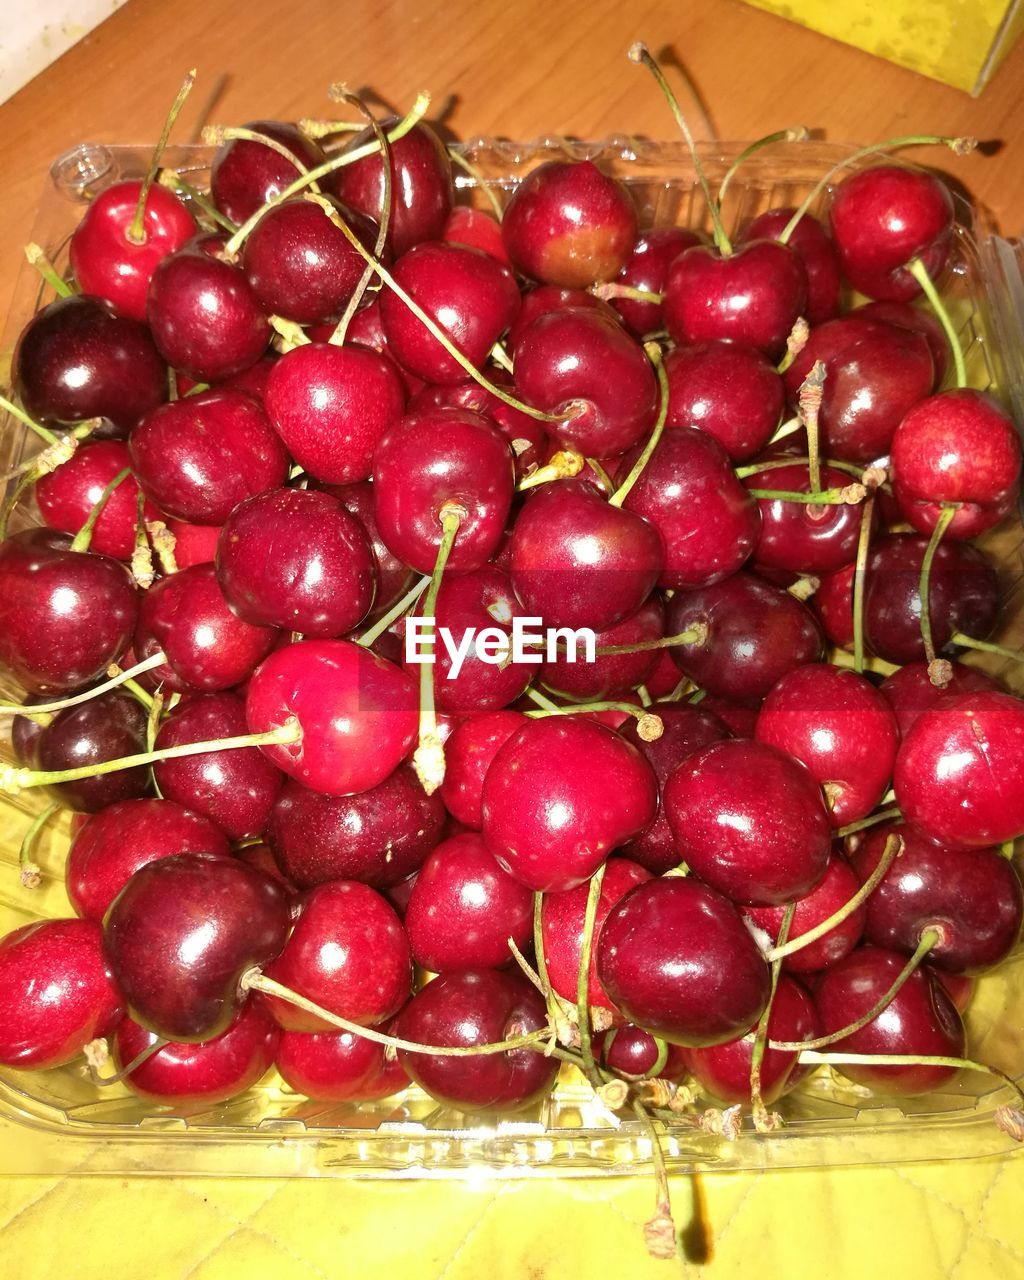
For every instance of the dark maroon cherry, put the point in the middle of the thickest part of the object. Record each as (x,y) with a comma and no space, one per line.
(245,174)
(393,575)
(910,690)
(67,495)
(676,957)
(813,245)
(729,390)
(647,268)
(468,755)
(57,993)
(105,728)
(632,1052)
(571,675)
(833,891)
(337,1067)
(805,537)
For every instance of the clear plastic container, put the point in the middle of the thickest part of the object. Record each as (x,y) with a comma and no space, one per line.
(57,1121)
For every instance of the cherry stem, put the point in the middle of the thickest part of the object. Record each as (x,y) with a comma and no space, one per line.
(83,538)
(859,575)
(142,570)
(171,180)
(119,677)
(697,634)
(947,513)
(428,758)
(653,352)
(783,947)
(795,343)
(140,1058)
(961,146)
(809,400)
(164,544)
(563,466)
(136,233)
(920,273)
(407,601)
(24,483)
(883,815)
(340,161)
(849,495)
(928,940)
(659,1231)
(799,133)
(54,455)
(788,428)
(641,54)
(456,156)
(602,475)
(813,1057)
(613,290)
(649,727)
(37,258)
(985,646)
(289,334)
(763,1122)
(583,978)
(31,875)
(501,357)
(8,406)
(13,780)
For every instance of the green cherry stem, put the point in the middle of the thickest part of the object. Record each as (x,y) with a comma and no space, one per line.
(83,538)
(867,516)
(920,273)
(393,614)
(763,1122)
(649,727)
(136,233)
(115,682)
(848,495)
(457,158)
(215,134)
(38,259)
(583,979)
(946,515)
(809,400)
(985,646)
(171,180)
(653,353)
(44,434)
(799,133)
(31,875)
(883,815)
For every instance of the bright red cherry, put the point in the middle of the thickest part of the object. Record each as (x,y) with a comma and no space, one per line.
(468,755)
(476,228)
(833,890)
(729,390)
(549,297)
(813,245)
(67,495)
(337,1067)
(646,269)
(910,690)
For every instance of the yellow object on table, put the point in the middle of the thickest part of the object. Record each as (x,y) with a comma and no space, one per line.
(960,42)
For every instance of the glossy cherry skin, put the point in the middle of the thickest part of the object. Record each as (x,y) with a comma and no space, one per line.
(800,536)
(206,645)
(476,1007)
(884,217)
(421,186)
(193,543)
(612,673)
(549,297)
(689,492)
(245,175)
(295,558)
(813,245)
(337,1067)
(57,993)
(393,575)
(205,317)
(358,714)
(125,836)
(200,1075)
(468,755)
(833,605)
(910,690)
(754,296)
(464,908)
(67,495)
(755,633)
(957,776)
(579,363)
(65,616)
(469,294)
(920,1020)
(963,595)
(200,456)
(646,268)
(182,933)
(750,821)
(378,837)
(833,890)
(569,224)
(560,795)
(724,1069)
(971,897)
(347,953)
(579,562)
(728,390)
(78,359)
(839,725)
(959,447)
(331,405)
(675,957)
(236,789)
(106,728)
(562,927)
(632,1052)
(907,316)
(477,228)
(434,458)
(107,263)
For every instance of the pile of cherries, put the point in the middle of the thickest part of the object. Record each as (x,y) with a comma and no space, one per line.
(281,416)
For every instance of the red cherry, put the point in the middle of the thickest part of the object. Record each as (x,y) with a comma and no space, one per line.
(813,245)
(549,297)
(833,890)
(476,229)
(804,537)
(632,1052)
(646,268)
(337,1067)
(910,690)
(245,175)
(468,755)
(729,390)
(68,494)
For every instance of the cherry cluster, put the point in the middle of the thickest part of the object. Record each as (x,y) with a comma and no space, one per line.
(282,416)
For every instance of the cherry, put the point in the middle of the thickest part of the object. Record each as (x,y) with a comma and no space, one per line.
(338,1067)
(563,918)
(971,897)
(464,909)
(610,673)
(378,837)
(959,987)
(724,1069)
(200,456)
(331,405)
(569,224)
(805,537)
(476,1007)
(560,795)
(956,447)
(833,891)
(206,645)
(348,953)
(646,269)
(675,957)
(477,229)
(65,616)
(906,316)
(920,1020)
(741,721)
(750,821)
(245,174)
(68,494)
(78,359)
(193,543)
(105,728)
(182,933)
(751,634)
(200,1075)
(549,297)
(295,558)
(632,1052)
(261,857)
(358,714)
(957,778)
(235,789)
(884,217)
(393,575)
(125,836)
(729,390)
(838,724)
(578,561)
(107,262)
(468,755)
(813,245)
(910,690)
(833,605)
(56,991)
